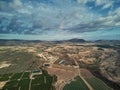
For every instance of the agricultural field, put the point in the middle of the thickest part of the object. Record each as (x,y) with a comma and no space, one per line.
(78,84)
(15,59)
(97,84)
(21,81)
(5,77)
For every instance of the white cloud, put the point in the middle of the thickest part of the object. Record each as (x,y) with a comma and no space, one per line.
(108,20)
(100,2)
(6,14)
(109,23)
(16,4)
(117,24)
(117,11)
(82,1)
(107,5)
(24,11)
(51,18)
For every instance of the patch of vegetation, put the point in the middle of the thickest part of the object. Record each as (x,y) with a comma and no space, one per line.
(39,79)
(78,84)
(24,84)
(16,76)
(43,82)
(26,75)
(11,88)
(50,45)
(40,82)
(5,77)
(111,84)
(97,84)
(39,50)
(41,87)
(104,46)
(10,84)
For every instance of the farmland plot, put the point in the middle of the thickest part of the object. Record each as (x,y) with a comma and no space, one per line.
(78,84)
(97,84)
(21,81)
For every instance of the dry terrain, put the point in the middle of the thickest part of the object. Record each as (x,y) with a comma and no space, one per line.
(65,59)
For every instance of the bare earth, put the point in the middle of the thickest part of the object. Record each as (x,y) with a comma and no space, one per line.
(85,73)
(63,76)
(2,84)
(4,64)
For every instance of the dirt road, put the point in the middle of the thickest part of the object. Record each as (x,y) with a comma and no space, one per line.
(88,85)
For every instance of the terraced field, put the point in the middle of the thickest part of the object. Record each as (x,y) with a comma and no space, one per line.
(21,81)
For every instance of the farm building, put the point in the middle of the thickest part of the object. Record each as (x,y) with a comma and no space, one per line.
(47,64)
(62,62)
(35,72)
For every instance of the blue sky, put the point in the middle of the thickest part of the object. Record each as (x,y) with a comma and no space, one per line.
(60,19)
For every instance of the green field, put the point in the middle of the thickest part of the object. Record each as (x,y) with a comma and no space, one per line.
(78,84)
(16,76)
(26,75)
(5,77)
(24,84)
(21,81)
(97,84)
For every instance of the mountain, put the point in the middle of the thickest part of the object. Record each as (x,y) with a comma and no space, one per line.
(76,40)
(108,41)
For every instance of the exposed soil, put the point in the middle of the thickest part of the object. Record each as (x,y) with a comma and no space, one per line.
(85,73)
(64,76)
(2,84)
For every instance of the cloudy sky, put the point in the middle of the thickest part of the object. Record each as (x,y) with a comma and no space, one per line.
(60,19)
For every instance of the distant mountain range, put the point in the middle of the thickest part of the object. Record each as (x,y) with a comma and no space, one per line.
(108,41)
(69,40)
(74,40)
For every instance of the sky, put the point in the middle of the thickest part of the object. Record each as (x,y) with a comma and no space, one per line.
(60,19)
